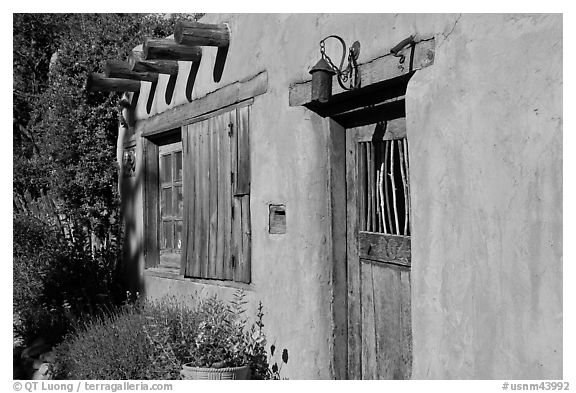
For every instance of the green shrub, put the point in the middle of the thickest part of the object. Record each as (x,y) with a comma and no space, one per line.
(152,339)
(56,282)
(171,326)
(115,346)
(34,250)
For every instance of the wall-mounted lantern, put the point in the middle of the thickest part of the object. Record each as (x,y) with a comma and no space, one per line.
(322,73)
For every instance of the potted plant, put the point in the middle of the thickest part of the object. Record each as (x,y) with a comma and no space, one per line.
(223,347)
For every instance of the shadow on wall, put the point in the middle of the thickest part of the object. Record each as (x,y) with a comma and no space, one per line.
(171,85)
(219,63)
(129,185)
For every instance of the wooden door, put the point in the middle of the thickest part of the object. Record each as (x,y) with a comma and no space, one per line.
(378,242)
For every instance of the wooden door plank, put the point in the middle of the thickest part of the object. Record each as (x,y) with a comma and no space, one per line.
(201,215)
(353,279)
(220,135)
(233,129)
(387,315)
(205,196)
(361,182)
(227,194)
(195,197)
(187,205)
(245,252)
(406,323)
(231,262)
(197,128)
(213,196)
(190,183)
(236,236)
(369,356)
(243,158)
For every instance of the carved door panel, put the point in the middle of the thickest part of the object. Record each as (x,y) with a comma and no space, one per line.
(378,238)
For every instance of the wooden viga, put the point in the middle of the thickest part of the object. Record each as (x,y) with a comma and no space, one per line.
(121,69)
(137,63)
(201,34)
(160,56)
(99,82)
(118,77)
(167,49)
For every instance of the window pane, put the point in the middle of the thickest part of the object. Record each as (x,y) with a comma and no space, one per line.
(166,175)
(178,235)
(178,168)
(167,234)
(179,206)
(166,202)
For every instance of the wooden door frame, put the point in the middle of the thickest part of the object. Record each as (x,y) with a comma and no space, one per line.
(353,307)
(384,83)
(346,326)
(336,154)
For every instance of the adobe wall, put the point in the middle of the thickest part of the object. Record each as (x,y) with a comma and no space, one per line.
(485,140)
(484,125)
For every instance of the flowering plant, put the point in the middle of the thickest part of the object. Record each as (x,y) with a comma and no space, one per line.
(224,340)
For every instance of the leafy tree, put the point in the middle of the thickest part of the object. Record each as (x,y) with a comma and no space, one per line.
(64,136)
(65,145)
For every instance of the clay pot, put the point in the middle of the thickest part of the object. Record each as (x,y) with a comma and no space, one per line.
(189,372)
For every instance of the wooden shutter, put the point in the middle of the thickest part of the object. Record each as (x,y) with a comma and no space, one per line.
(241,232)
(217,222)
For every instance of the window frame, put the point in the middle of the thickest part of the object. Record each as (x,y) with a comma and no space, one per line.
(239,197)
(170,257)
(151,196)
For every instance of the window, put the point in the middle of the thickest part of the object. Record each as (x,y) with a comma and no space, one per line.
(198,205)
(385,196)
(171,204)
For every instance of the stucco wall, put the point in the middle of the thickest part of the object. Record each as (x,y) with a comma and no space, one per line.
(291,273)
(485,134)
(484,129)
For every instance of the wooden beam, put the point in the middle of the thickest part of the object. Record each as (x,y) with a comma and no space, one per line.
(137,64)
(167,49)
(367,96)
(121,69)
(201,34)
(98,82)
(187,113)
(388,110)
(374,71)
